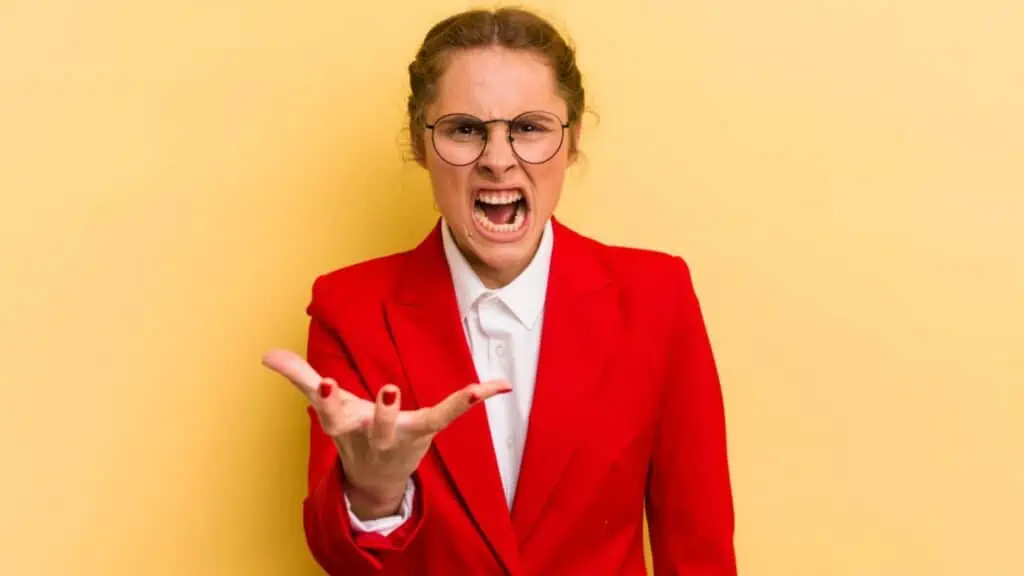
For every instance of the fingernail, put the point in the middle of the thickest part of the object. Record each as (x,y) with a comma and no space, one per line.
(473,398)
(389,397)
(325,389)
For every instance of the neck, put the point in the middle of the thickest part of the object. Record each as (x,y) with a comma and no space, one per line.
(495,278)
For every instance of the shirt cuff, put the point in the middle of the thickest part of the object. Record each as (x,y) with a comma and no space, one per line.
(388,524)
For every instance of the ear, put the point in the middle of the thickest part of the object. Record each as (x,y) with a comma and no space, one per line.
(574,149)
(418,145)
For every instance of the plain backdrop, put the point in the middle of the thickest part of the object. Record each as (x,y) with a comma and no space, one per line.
(844,177)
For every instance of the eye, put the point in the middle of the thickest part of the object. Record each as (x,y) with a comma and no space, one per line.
(463,129)
(466,129)
(527,127)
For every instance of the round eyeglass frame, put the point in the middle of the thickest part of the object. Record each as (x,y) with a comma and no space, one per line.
(508,130)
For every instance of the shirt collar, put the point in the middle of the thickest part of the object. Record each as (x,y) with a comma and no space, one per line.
(525,295)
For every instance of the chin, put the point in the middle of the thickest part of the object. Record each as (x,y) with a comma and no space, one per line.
(500,229)
(505,257)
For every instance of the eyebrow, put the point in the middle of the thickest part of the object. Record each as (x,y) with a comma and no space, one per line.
(509,117)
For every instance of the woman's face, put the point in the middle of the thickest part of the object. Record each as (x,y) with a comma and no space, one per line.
(497,204)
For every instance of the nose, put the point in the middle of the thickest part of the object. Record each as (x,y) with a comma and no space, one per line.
(498,156)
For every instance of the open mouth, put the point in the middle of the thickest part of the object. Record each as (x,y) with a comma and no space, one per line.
(500,211)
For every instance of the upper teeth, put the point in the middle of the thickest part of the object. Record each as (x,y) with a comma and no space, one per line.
(499,197)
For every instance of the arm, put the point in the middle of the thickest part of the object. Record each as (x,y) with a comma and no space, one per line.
(336,546)
(689,499)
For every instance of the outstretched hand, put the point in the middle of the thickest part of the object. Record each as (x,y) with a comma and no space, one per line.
(380,445)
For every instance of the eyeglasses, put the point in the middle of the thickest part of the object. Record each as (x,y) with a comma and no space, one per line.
(460,139)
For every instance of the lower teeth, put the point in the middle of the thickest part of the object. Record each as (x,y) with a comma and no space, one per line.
(516,223)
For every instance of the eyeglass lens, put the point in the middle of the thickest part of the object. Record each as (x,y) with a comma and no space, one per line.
(535,137)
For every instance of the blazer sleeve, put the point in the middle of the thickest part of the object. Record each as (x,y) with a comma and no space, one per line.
(689,497)
(329,534)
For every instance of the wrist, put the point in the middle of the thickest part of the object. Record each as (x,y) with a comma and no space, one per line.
(375,502)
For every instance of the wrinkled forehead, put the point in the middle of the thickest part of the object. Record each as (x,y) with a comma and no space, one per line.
(496,83)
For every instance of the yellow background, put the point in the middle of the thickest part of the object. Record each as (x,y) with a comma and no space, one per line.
(845,179)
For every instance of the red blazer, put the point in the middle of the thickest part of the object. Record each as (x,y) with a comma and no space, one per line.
(627,410)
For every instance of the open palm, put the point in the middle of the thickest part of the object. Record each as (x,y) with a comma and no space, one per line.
(380,445)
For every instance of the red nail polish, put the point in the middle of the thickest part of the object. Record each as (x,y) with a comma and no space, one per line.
(389,397)
(325,389)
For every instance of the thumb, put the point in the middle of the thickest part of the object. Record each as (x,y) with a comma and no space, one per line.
(459,402)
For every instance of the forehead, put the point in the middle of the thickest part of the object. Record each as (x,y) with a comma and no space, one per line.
(497,82)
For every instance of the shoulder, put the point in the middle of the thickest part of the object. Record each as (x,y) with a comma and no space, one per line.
(655,290)
(356,286)
(637,269)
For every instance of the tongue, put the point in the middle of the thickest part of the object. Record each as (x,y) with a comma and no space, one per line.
(502,214)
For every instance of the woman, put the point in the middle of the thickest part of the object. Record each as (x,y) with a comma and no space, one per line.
(599,392)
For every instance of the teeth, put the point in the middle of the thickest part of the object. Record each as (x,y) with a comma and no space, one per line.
(486,224)
(498,197)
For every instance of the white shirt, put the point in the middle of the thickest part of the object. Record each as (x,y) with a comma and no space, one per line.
(503,329)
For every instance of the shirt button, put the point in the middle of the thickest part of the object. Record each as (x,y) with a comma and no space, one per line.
(500,350)
(509,443)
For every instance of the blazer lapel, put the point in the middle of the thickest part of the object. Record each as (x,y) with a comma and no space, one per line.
(425,325)
(581,317)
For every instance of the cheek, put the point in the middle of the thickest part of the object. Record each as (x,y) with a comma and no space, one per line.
(447,181)
(548,180)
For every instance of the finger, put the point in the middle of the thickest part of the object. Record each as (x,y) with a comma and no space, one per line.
(385,417)
(303,376)
(434,419)
(340,412)
(294,368)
